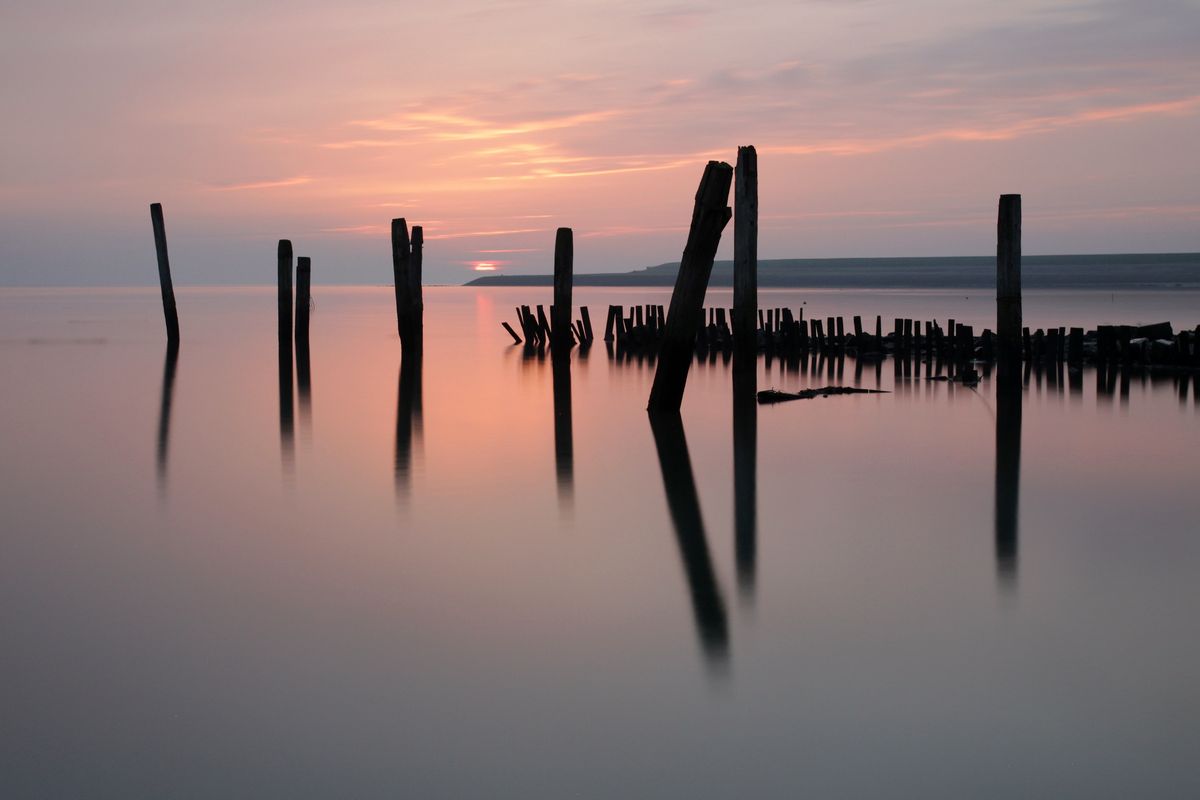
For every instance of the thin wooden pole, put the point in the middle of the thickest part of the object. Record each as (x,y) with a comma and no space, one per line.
(284,261)
(560,312)
(1008,277)
(416,314)
(745,249)
(164,273)
(709,217)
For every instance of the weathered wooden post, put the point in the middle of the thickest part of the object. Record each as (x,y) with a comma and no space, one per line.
(164,273)
(1008,278)
(303,297)
(401,278)
(560,312)
(286,399)
(709,217)
(416,312)
(745,250)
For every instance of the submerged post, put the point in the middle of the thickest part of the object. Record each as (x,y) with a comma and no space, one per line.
(709,218)
(416,307)
(745,249)
(1008,278)
(164,273)
(560,312)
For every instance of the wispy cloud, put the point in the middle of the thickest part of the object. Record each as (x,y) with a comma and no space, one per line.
(278,183)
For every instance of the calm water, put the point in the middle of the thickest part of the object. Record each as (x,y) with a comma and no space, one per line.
(431,585)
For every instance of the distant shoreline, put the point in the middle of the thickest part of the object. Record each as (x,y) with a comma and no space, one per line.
(1112,271)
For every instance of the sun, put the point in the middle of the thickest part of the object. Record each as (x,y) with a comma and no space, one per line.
(484,266)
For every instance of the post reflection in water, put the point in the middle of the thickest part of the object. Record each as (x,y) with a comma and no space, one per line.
(1008,468)
(708,607)
(164,414)
(287,424)
(408,417)
(304,386)
(745,470)
(564,444)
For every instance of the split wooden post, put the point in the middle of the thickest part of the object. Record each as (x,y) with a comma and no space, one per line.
(745,250)
(1008,277)
(303,278)
(406,275)
(709,217)
(164,273)
(560,312)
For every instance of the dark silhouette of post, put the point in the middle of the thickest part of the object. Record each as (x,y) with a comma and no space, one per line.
(560,312)
(416,313)
(745,250)
(164,412)
(745,468)
(1008,465)
(684,317)
(712,625)
(1008,278)
(564,437)
(164,273)
(406,274)
(286,399)
(408,418)
(303,297)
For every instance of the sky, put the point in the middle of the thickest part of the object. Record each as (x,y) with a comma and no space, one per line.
(882,128)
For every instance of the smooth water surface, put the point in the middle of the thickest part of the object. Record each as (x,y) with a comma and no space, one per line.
(485,577)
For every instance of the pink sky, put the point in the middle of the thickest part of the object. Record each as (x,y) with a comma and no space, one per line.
(883,128)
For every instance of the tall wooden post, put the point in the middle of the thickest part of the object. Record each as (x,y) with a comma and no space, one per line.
(415,299)
(303,277)
(164,273)
(745,250)
(284,258)
(286,397)
(560,313)
(1008,278)
(709,218)
(401,263)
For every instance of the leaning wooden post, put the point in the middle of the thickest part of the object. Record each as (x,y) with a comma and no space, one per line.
(1008,277)
(745,249)
(164,273)
(401,255)
(303,277)
(709,218)
(560,312)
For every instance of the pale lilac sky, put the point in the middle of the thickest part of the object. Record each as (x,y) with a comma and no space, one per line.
(883,128)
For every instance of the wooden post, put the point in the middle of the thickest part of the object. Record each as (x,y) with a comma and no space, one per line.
(560,312)
(709,217)
(1008,277)
(745,249)
(164,273)
(416,313)
(303,278)
(401,252)
(586,319)
(284,259)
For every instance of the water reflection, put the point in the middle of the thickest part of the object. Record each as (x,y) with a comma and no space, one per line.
(164,413)
(1008,468)
(564,445)
(708,607)
(408,417)
(304,384)
(745,470)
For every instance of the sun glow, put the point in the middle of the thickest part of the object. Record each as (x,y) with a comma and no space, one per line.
(484,266)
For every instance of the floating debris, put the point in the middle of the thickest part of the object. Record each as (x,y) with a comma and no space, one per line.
(776,396)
